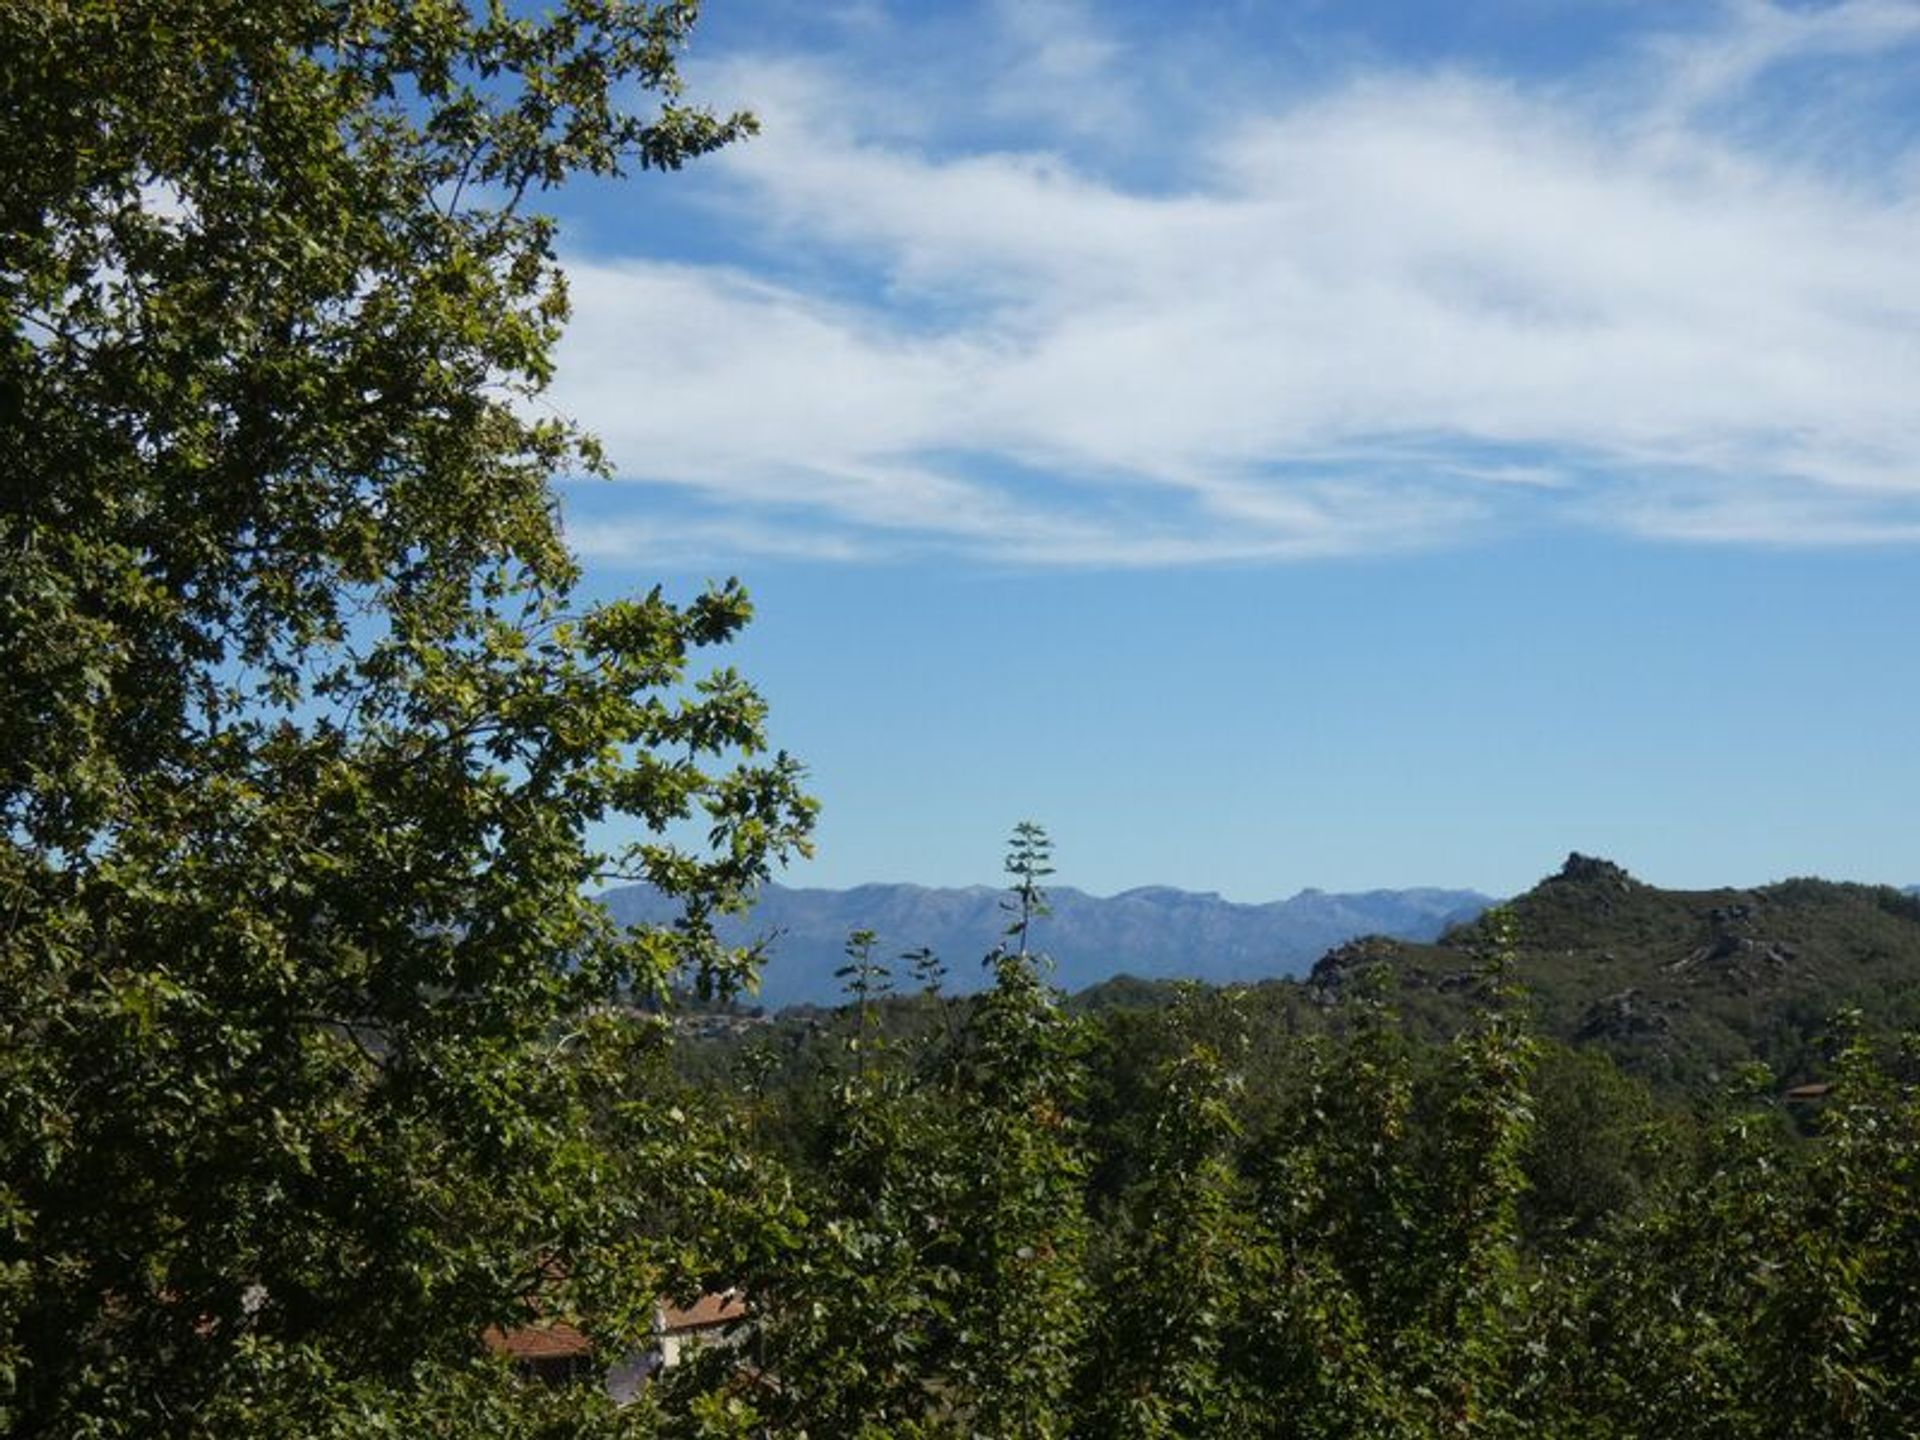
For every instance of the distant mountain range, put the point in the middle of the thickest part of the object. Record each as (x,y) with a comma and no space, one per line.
(1153,932)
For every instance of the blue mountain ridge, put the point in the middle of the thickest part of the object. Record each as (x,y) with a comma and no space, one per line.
(1153,932)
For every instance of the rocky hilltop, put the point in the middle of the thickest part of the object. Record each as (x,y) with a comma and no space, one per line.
(1676,984)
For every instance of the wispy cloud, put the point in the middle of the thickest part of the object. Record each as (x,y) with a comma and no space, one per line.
(1759,35)
(1412,306)
(1059,68)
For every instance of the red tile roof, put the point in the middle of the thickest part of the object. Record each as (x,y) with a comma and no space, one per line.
(717,1309)
(555,1340)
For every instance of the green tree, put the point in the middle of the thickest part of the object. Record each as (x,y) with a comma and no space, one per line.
(867,982)
(938,1289)
(854,1305)
(1775,1280)
(1599,1139)
(304,733)
(1019,1231)
(1192,1266)
(1392,1190)
(1648,1329)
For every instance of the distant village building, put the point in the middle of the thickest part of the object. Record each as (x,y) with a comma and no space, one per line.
(556,1353)
(553,1353)
(712,1319)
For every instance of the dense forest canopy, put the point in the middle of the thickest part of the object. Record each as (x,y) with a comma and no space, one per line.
(1305,1211)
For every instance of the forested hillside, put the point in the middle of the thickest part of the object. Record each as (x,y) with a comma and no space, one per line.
(1674,985)
(1386,1202)
(1677,987)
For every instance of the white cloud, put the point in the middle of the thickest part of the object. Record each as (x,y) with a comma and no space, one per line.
(698,542)
(1057,66)
(1379,317)
(1759,35)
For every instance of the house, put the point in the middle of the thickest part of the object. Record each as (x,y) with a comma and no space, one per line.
(713,1319)
(555,1353)
(552,1352)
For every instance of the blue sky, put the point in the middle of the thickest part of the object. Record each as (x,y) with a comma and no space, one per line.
(1348,445)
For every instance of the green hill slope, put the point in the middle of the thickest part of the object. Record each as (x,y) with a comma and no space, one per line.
(1675,985)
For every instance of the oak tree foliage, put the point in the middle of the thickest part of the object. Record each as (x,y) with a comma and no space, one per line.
(305,735)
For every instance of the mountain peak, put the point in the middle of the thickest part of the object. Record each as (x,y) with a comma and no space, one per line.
(1590,870)
(1169,894)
